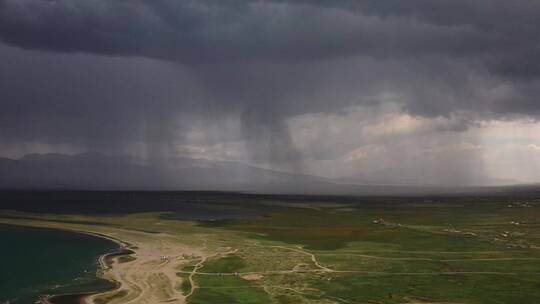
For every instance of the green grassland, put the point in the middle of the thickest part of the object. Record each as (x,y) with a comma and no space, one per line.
(451,251)
(228,289)
(441,250)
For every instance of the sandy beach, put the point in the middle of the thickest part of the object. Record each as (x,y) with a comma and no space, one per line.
(150,275)
(145,270)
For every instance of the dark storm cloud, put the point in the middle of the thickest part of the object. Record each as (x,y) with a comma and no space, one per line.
(261,61)
(88,99)
(209,31)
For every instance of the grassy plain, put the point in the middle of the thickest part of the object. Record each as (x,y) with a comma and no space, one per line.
(395,250)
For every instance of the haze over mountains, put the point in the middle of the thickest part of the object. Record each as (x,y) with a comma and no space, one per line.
(95,171)
(99,171)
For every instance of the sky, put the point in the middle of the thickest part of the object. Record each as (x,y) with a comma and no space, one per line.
(444,90)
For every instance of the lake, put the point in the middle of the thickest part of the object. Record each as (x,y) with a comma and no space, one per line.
(46,261)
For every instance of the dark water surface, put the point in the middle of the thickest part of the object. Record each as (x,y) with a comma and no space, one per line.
(46,261)
(179,205)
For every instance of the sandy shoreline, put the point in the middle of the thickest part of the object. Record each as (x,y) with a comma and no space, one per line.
(144,269)
(80,298)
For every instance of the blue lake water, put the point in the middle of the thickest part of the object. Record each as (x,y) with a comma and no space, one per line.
(46,261)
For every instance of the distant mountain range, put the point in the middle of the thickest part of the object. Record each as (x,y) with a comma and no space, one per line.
(428,177)
(96,171)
